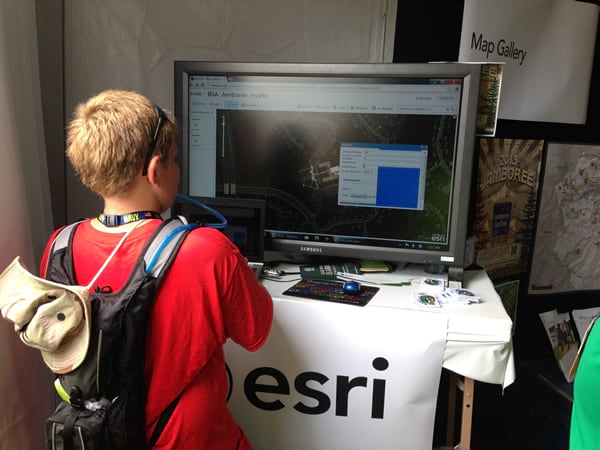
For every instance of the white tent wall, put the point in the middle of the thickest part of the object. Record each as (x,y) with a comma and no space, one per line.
(131,44)
(56,53)
(25,383)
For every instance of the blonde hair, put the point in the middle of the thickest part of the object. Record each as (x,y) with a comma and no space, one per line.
(109,137)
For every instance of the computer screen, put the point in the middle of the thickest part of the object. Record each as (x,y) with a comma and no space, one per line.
(370,161)
(245,220)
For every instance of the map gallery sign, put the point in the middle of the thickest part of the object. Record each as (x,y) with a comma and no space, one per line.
(507,189)
(547,47)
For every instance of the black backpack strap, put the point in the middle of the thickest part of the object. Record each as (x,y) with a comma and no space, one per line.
(59,265)
(161,251)
(69,432)
(63,237)
(162,421)
(157,259)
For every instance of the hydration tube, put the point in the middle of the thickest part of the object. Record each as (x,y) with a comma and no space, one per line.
(165,242)
(214,212)
(187,226)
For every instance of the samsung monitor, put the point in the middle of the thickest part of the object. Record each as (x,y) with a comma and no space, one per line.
(363,161)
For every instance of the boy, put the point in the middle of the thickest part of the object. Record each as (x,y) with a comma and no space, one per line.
(123,148)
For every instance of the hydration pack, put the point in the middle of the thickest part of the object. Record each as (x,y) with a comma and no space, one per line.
(103,399)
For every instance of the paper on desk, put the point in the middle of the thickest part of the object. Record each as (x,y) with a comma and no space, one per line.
(583,318)
(436,287)
(560,332)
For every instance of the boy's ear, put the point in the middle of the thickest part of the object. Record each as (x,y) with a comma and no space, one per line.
(153,169)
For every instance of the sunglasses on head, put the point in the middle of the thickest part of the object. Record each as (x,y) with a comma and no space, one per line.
(161,118)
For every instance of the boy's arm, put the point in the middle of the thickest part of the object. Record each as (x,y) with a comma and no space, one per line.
(248,310)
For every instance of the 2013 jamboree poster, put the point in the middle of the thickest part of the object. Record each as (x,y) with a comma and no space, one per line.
(507,189)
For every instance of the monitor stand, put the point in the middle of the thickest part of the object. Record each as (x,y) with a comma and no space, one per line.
(455,277)
(435,269)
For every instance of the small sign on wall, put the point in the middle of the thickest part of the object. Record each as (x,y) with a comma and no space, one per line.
(547,47)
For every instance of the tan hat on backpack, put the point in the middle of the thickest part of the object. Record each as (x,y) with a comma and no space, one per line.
(52,317)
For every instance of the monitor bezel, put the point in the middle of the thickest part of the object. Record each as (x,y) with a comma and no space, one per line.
(466,138)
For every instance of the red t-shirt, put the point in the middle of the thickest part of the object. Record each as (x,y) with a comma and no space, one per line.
(209,294)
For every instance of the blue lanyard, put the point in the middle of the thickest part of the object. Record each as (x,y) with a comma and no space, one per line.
(116,220)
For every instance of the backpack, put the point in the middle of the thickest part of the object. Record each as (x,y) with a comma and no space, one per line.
(103,399)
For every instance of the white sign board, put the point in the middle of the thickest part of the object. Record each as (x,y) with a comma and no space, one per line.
(547,47)
(335,376)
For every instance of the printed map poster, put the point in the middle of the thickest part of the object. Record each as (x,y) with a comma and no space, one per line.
(507,189)
(566,254)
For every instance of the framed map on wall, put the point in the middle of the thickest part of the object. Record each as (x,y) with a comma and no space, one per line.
(566,255)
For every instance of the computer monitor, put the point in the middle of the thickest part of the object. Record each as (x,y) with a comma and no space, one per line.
(369,161)
(245,220)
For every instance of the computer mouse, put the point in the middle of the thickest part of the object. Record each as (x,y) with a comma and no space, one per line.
(351,287)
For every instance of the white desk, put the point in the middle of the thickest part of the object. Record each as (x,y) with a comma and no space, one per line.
(477,345)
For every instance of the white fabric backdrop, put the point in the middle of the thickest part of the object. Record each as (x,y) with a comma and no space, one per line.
(25,383)
(131,44)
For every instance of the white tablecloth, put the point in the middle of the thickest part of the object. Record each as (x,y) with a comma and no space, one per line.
(479,335)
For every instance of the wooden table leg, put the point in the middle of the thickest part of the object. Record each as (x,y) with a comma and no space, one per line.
(467,387)
(467,413)
(453,386)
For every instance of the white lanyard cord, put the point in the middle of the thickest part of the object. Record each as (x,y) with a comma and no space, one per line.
(89,286)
